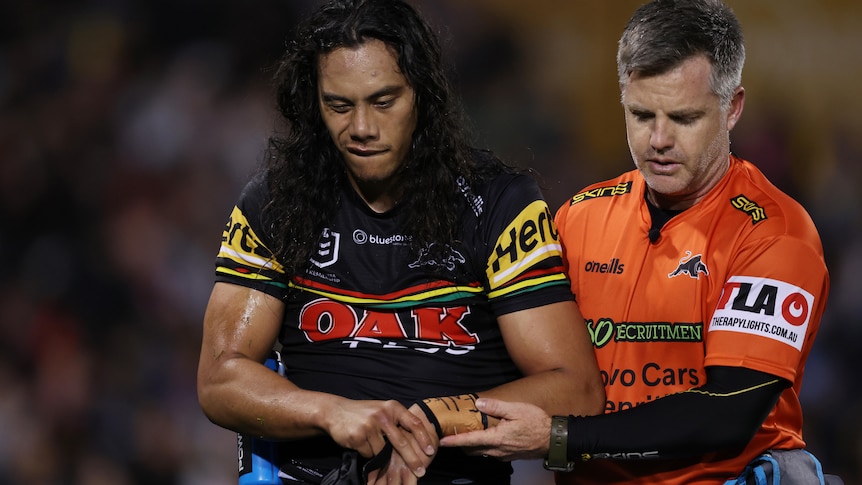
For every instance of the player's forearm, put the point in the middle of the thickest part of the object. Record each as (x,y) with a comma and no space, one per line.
(558,392)
(552,348)
(244,396)
(554,392)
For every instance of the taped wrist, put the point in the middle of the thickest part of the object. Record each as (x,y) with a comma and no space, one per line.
(454,414)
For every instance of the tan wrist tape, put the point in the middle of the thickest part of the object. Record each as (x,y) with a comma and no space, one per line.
(454,414)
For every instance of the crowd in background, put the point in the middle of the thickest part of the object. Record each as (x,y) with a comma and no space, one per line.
(127,129)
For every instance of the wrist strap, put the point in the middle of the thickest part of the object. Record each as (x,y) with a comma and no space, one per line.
(558,461)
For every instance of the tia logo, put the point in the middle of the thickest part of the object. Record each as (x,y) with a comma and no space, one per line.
(762,306)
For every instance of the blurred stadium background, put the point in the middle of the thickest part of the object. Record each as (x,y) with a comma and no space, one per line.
(127,128)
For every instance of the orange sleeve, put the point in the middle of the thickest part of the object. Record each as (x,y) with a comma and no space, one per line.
(769,309)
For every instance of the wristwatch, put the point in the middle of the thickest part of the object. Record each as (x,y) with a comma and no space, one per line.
(557,460)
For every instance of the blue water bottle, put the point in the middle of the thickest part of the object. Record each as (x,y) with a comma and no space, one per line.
(257,457)
(257,464)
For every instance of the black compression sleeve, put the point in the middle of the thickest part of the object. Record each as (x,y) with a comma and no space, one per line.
(722,414)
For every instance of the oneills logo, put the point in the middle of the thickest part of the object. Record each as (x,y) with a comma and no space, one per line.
(612,267)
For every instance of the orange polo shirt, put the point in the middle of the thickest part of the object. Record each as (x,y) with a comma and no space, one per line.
(737,280)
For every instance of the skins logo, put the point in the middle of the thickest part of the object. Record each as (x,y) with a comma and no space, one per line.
(634,455)
(618,189)
(754,211)
(327,249)
(690,265)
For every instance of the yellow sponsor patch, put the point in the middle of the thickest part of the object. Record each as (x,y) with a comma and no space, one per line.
(241,245)
(751,208)
(530,238)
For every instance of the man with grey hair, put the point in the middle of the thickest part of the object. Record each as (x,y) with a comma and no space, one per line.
(701,283)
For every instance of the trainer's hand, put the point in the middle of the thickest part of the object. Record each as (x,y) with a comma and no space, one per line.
(365,426)
(523,433)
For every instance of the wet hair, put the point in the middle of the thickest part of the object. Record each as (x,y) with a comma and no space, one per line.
(306,171)
(664,33)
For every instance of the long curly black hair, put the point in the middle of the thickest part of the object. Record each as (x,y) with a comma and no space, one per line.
(306,171)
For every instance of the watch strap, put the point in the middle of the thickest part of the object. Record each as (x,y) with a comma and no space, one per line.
(558,460)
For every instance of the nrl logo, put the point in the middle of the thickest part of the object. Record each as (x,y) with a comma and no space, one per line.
(690,265)
(327,249)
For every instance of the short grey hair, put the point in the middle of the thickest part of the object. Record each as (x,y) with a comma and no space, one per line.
(664,33)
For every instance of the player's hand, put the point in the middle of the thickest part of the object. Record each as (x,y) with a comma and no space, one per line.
(365,426)
(523,432)
(397,472)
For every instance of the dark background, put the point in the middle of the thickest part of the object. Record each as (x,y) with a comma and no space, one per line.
(127,128)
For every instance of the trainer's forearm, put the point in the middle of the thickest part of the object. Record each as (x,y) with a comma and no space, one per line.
(725,413)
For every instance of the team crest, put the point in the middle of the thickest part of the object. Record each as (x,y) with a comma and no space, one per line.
(327,249)
(451,258)
(690,265)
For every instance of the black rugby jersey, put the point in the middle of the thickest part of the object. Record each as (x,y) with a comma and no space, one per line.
(372,319)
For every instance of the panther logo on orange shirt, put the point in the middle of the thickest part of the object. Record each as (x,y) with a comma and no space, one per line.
(690,265)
